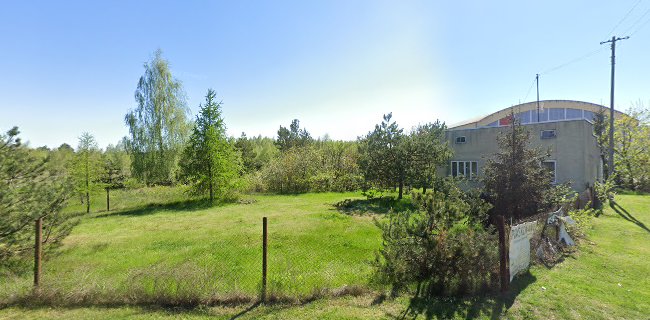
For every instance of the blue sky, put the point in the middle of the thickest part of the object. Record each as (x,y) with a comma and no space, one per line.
(69,67)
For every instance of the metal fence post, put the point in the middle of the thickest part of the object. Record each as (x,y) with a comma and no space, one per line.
(503,255)
(38,240)
(264,261)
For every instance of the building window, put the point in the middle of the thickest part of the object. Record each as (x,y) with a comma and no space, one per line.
(548,134)
(556,114)
(467,169)
(461,139)
(551,165)
(573,113)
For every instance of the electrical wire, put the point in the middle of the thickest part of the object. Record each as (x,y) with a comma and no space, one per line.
(637,21)
(529,88)
(573,61)
(624,17)
(640,27)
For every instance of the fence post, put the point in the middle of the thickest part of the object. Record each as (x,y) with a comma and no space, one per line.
(38,240)
(503,255)
(264,252)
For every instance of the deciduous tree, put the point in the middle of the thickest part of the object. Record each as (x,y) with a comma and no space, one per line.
(158,126)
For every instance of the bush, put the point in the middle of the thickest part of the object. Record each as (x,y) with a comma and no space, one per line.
(604,192)
(441,248)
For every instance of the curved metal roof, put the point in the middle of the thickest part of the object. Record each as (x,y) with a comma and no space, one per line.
(544,105)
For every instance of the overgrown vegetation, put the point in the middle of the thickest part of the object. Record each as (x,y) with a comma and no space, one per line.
(441,247)
(391,159)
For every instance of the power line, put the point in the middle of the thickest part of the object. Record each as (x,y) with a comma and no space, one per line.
(624,17)
(640,27)
(573,61)
(528,92)
(637,21)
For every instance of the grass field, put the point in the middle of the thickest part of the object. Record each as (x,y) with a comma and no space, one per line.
(606,279)
(187,253)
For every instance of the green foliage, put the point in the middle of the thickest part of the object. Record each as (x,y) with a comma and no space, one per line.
(382,160)
(293,137)
(256,152)
(561,195)
(583,218)
(88,168)
(605,192)
(390,158)
(29,188)
(442,247)
(158,126)
(210,162)
(425,150)
(292,171)
(117,167)
(321,166)
(514,179)
(632,149)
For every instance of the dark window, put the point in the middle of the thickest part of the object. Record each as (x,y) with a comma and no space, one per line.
(548,134)
(461,139)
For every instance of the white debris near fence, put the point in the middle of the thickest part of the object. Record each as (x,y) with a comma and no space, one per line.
(521,234)
(519,252)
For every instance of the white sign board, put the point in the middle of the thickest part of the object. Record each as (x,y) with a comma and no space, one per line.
(520,236)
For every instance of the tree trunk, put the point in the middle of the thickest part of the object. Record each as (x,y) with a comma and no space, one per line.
(424,189)
(401,189)
(108,200)
(87,202)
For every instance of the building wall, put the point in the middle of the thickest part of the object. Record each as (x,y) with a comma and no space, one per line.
(574,149)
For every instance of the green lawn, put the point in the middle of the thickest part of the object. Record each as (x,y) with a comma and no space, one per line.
(607,279)
(188,252)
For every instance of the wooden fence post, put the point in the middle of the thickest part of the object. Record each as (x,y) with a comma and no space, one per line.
(503,255)
(38,240)
(264,261)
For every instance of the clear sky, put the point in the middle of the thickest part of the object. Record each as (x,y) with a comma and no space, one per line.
(72,66)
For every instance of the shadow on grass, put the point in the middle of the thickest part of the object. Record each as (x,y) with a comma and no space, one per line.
(188,205)
(373,206)
(626,215)
(488,305)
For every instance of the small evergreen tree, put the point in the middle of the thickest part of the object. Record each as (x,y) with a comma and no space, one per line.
(293,137)
(210,162)
(30,188)
(442,246)
(88,167)
(514,178)
(116,170)
(382,158)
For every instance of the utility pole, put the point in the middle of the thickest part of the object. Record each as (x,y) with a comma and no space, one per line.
(610,164)
(537,79)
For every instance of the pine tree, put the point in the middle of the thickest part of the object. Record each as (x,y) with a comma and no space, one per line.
(514,177)
(210,161)
(30,188)
(88,167)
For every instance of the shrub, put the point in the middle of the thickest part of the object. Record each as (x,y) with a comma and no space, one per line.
(441,248)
